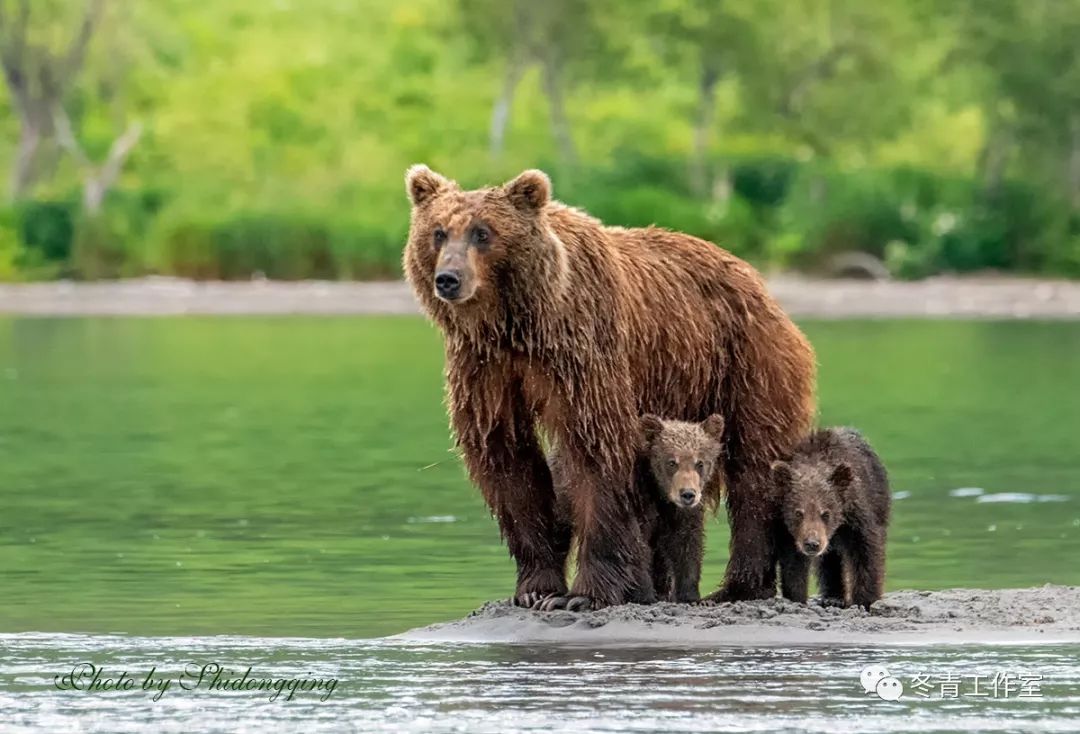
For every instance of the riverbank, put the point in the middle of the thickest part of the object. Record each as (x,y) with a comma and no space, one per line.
(995,297)
(1037,615)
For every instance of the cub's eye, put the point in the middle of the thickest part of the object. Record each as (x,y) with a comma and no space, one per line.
(825,516)
(481,236)
(699,465)
(672,463)
(798,514)
(439,236)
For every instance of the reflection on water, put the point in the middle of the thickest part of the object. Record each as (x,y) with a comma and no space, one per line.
(498,688)
(292,476)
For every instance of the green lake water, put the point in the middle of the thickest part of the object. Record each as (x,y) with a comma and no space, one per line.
(170,479)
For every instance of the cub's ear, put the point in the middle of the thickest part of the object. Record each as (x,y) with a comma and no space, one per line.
(650,427)
(781,474)
(841,476)
(422,184)
(530,191)
(714,426)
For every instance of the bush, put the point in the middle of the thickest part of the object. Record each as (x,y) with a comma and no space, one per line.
(920,223)
(828,211)
(763,182)
(770,210)
(46,229)
(279,246)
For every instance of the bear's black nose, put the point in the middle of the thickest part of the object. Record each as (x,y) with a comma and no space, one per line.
(811,546)
(687,496)
(447,284)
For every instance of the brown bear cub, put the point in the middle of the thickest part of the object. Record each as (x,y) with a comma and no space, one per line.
(677,460)
(834,498)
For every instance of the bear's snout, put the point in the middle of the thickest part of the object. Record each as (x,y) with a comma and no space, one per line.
(811,547)
(448,284)
(688,497)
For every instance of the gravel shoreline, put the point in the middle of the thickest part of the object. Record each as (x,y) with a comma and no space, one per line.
(1043,614)
(983,296)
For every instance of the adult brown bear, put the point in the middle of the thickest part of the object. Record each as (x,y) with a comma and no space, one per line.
(556,324)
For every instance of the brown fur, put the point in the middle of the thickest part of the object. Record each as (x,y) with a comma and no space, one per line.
(835,502)
(574,329)
(677,461)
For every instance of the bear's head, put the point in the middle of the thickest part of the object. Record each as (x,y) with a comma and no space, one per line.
(683,457)
(461,243)
(812,496)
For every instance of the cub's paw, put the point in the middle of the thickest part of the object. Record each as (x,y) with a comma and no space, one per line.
(833,601)
(570,604)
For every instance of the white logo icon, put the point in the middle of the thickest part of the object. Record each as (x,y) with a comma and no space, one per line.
(890,689)
(872,675)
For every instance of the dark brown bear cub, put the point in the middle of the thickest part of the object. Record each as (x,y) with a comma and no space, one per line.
(676,462)
(834,498)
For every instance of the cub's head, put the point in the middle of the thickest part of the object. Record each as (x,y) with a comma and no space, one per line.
(812,500)
(682,456)
(458,240)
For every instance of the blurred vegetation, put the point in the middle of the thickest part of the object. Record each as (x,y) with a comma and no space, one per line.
(232,138)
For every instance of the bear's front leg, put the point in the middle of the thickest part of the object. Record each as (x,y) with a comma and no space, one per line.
(751,568)
(686,549)
(867,556)
(830,575)
(506,461)
(537,538)
(794,573)
(614,560)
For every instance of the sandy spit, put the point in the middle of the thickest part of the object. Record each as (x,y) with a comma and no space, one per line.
(1046,614)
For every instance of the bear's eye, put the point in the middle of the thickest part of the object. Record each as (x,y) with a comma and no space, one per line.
(825,516)
(439,236)
(798,514)
(699,465)
(481,236)
(672,463)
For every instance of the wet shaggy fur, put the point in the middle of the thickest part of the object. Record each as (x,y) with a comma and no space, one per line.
(563,327)
(835,503)
(676,462)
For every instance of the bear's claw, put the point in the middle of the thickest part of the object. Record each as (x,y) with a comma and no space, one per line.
(569,603)
(530,599)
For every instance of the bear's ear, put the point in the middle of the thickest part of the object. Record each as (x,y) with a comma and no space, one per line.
(530,191)
(714,427)
(841,476)
(422,184)
(650,428)
(781,474)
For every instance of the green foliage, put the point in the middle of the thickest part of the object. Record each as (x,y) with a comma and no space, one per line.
(46,229)
(277,245)
(277,133)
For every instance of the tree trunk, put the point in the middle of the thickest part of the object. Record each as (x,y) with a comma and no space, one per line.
(703,125)
(1073,173)
(98,183)
(560,126)
(22,168)
(500,113)
(994,157)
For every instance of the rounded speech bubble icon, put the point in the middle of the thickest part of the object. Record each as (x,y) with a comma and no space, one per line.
(870,677)
(890,689)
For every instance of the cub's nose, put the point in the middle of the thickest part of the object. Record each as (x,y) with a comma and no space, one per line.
(811,547)
(687,496)
(448,284)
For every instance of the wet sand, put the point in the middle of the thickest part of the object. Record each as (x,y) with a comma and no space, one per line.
(980,296)
(1019,616)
